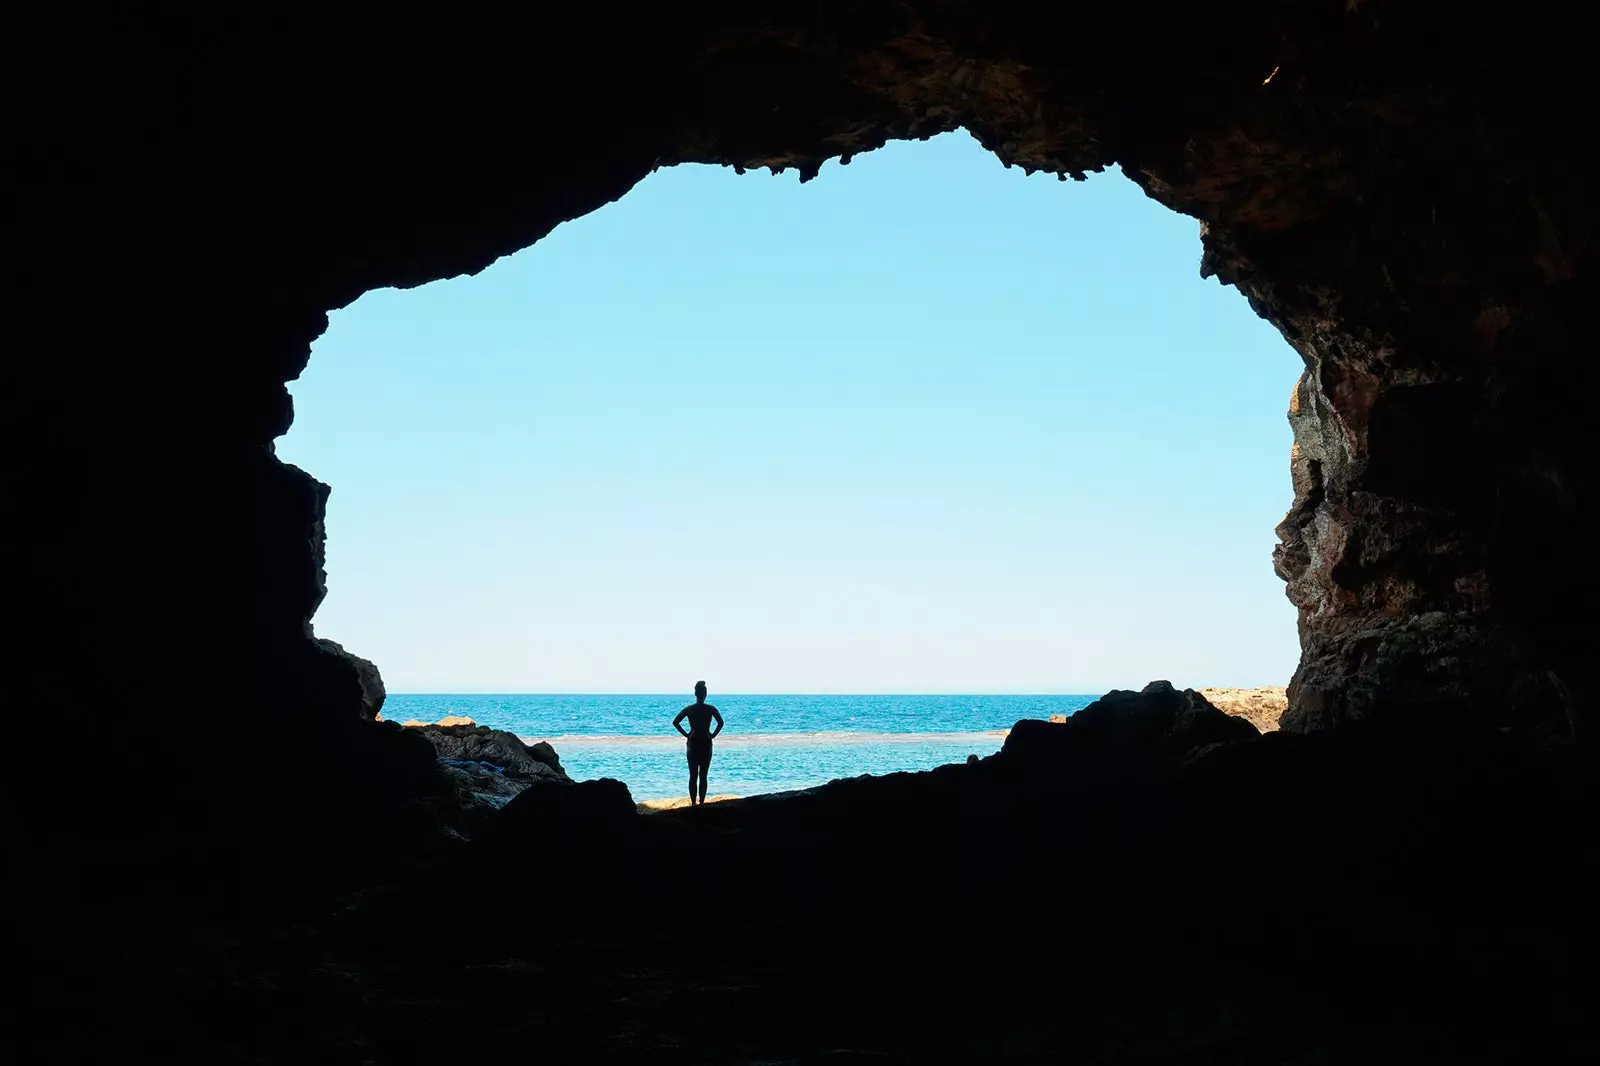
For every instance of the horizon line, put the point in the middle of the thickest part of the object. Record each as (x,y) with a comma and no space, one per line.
(675,694)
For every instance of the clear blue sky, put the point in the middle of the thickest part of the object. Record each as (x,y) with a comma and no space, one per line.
(923,424)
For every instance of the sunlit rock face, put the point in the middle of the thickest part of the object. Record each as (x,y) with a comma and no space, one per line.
(1435,547)
(1398,189)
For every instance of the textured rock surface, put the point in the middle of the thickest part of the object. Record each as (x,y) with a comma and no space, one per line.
(478,790)
(486,768)
(478,743)
(1261,706)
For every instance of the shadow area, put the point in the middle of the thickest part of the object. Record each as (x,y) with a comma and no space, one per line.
(1082,896)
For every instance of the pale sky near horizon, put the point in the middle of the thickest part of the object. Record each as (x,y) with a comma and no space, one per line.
(923,424)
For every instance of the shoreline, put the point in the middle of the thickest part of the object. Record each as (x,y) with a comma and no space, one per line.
(675,803)
(757,763)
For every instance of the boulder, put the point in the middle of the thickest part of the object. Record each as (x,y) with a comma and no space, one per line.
(476,743)
(481,787)
(560,814)
(363,674)
(547,755)
(570,850)
(485,768)
(1160,716)
(1157,721)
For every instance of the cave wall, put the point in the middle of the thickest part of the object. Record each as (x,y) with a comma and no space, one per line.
(1402,198)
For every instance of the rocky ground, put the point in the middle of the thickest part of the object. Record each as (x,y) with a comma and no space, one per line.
(1261,707)
(679,802)
(1074,898)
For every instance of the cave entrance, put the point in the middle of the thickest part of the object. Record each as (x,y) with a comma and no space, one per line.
(923,425)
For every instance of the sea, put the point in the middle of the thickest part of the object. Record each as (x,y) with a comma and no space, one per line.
(770,743)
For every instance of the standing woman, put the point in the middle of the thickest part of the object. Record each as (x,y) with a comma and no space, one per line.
(699,713)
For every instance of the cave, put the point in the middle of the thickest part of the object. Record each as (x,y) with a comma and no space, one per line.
(1399,190)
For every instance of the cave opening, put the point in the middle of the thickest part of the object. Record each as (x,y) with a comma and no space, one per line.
(923,426)
(1400,189)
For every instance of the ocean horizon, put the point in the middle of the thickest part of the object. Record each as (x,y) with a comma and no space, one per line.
(771,742)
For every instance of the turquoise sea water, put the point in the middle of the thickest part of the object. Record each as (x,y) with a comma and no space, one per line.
(770,743)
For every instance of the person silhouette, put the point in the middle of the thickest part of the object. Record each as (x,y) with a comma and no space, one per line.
(699,734)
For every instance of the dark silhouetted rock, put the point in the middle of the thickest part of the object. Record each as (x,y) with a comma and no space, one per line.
(559,815)
(366,675)
(1157,721)
(547,755)
(1159,716)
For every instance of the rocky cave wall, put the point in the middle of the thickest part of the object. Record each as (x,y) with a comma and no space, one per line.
(1396,187)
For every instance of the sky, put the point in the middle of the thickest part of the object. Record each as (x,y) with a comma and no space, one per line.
(922,424)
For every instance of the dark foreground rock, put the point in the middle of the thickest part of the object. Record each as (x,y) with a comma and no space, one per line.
(550,815)
(1157,722)
(358,675)
(1289,899)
